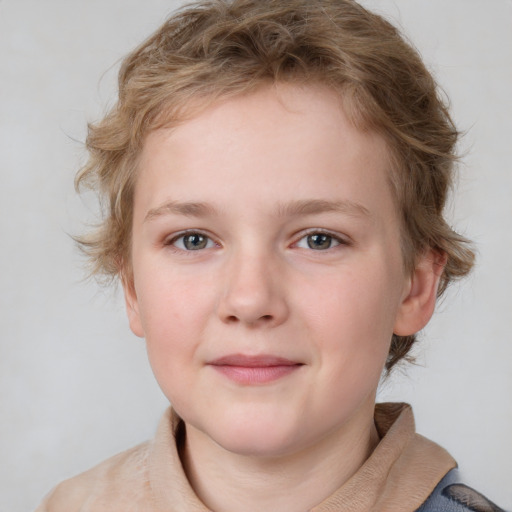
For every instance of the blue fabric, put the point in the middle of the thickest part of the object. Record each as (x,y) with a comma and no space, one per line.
(450,495)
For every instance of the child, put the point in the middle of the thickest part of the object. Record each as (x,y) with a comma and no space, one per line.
(276,173)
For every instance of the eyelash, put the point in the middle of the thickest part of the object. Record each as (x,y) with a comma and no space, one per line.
(339,241)
(171,242)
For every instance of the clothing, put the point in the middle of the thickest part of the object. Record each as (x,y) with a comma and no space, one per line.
(399,475)
(452,496)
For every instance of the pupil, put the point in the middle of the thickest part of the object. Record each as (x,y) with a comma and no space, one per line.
(319,241)
(194,242)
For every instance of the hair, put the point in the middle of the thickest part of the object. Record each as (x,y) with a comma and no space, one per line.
(215,49)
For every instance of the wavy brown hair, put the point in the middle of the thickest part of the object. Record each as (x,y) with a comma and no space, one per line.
(215,49)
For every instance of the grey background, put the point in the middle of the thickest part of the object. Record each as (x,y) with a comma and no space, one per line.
(75,386)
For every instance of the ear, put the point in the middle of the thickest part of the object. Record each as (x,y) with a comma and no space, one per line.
(420,296)
(132,304)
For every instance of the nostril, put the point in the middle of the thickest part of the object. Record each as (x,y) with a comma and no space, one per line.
(233,319)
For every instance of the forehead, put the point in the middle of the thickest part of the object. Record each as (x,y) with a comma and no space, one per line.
(286,137)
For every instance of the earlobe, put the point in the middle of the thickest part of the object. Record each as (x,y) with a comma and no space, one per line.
(419,302)
(132,306)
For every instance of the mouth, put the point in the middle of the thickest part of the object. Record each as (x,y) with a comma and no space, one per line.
(254,370)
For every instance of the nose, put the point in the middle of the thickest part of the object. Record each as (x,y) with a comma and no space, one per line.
(254,292)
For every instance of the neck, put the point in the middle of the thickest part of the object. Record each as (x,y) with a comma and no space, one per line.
(230,482)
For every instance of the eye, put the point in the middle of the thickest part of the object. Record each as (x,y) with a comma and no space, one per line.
(192,241)
(318,241)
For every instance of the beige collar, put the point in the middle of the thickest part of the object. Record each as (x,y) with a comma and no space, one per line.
(398,476)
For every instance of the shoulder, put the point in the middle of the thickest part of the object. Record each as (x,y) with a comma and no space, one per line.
(104,485)
(451,495)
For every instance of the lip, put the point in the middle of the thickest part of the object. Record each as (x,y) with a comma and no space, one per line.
(254,370)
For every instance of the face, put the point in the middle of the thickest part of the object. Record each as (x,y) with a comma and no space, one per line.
(268,277)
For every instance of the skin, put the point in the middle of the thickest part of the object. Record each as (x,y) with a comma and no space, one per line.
(297,259)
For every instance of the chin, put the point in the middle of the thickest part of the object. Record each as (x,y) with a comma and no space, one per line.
(260,445)
(262,437)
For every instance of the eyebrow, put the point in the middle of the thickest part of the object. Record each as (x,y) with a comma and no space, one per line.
(294,208)
(315,206)
(188,209)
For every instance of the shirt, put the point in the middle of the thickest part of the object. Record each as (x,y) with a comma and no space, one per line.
(399,475)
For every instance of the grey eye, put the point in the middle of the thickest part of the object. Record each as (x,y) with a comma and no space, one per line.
(319,241)
(193,242)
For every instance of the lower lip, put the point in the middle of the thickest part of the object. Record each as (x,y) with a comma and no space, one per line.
(252,375)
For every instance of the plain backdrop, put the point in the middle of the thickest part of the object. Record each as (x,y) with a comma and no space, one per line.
(75,386)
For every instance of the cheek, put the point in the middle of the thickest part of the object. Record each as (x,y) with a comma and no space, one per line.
(353,316)
(171,303)
(175,311)
(173,328)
